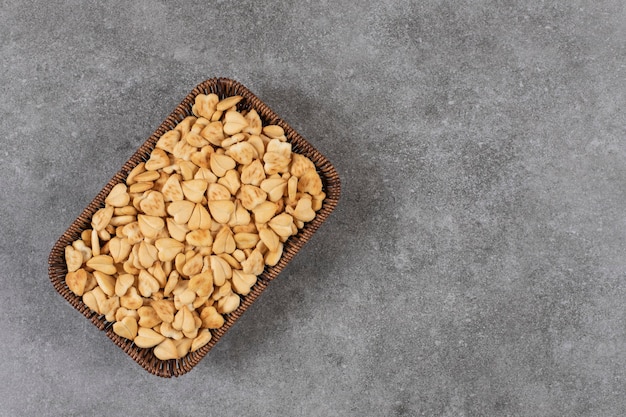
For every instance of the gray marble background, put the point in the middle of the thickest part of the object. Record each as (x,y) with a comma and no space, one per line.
(474,267)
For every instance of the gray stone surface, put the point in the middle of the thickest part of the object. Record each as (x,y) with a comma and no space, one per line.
(474,267)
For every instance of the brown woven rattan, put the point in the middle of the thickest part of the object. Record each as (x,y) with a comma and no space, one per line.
(223,87)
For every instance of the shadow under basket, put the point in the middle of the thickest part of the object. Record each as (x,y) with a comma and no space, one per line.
(223,87)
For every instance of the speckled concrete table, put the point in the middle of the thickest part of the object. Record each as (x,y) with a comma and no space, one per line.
(474,267)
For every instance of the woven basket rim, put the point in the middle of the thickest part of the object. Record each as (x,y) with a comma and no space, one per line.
(223,87)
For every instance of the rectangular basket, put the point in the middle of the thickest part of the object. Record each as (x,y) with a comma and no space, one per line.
(223,87)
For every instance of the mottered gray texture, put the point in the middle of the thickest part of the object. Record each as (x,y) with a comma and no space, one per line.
(474,267)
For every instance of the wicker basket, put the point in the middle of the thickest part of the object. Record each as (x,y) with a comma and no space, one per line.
(145,357)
